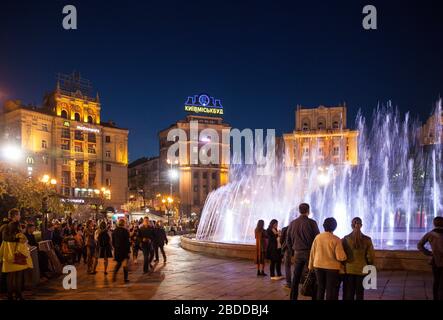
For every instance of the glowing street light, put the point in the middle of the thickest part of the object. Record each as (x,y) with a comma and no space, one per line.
(173,174)
(53,182)
(12,152)
(45,178)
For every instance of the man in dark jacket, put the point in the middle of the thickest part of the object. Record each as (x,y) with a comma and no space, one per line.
(435,239)
(121,244)
(301,234)
(160,240)
(146,236)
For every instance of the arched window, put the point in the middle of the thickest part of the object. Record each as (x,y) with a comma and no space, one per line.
(64,114)
(90,119)
(77,116)
(321,123)
(306,124)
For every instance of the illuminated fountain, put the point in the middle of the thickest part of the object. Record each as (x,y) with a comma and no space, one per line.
(395,188)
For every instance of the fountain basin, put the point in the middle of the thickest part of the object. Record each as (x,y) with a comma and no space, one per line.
(407,260)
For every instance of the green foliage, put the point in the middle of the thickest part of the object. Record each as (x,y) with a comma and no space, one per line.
(17,190)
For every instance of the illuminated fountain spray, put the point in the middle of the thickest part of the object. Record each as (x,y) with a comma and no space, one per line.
(395,188)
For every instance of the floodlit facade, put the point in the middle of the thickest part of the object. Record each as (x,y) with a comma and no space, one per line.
(65,142)
(321,138)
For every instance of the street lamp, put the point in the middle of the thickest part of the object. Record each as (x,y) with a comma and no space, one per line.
(12,152)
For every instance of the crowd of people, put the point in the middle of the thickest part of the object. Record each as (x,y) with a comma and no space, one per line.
(72,242)
(322,262)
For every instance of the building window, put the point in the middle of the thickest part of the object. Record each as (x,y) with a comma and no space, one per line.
(108,167)
(108,182)
(336,151)
(335,125)
(305,151)
(64,114)
(78,147)
(77,116)
(65,162)
(44,144)
(66,177)
(195,175)
(91,137)
(195,188)
(214,175)
(45,127)
(90,119)
(108,139)
(66,191)
(91,148)
(66,133)
(66,145)
(78,135)
(108,154)
(91,180)
(45,159)
(320,151)
(205,175)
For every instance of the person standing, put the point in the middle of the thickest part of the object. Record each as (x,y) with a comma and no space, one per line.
(90,245)
(134,242)
(121,244)
(146,239)
(15,257)
(435,239)
(326,257)
(301,234)
(104,247)
(273,250)
(260,248)
(287,256)
(360,252)
(160,240)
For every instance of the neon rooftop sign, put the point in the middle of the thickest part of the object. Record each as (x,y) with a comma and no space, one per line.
(203,104)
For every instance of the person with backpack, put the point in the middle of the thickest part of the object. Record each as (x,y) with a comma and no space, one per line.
(360,252)
(435,239)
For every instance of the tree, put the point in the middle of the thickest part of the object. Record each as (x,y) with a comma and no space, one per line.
(19,191)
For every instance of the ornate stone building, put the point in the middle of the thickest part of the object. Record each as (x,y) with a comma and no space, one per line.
(66,141)
(321,138)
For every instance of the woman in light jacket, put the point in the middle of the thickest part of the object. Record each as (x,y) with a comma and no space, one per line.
(327,255)
(15,257)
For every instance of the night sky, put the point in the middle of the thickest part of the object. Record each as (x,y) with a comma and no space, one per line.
(261,58)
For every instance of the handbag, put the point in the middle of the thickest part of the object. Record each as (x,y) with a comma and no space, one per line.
(307,288)
(19,258)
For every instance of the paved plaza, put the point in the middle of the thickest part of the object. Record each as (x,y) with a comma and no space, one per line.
(189,275)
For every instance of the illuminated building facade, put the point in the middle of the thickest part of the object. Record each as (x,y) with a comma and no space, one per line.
(195,180)
(66,140)
(144,182)
(432,132)
(321,138)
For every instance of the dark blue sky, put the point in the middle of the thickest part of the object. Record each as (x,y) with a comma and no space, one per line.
(262,58)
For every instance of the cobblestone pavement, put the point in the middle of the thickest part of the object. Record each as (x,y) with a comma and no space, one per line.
(189,275)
